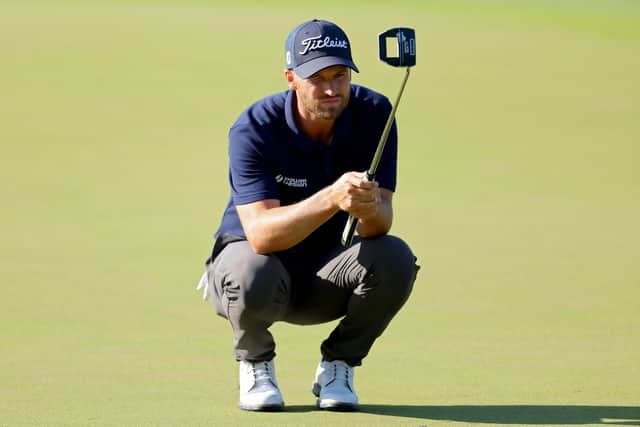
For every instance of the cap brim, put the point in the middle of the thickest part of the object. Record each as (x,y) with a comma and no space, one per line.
(308,69)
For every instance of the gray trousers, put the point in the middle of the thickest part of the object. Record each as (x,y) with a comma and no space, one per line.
(365,285)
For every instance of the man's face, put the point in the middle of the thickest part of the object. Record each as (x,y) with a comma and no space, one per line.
(324,95)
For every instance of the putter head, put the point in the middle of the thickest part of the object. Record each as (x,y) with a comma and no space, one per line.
(406,39)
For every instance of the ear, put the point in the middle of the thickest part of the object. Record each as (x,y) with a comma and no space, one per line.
(289,76)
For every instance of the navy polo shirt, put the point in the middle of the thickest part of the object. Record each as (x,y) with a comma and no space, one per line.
(270,158)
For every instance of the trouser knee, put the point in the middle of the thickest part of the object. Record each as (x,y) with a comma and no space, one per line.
(263,287)
(392,266)
(250,284)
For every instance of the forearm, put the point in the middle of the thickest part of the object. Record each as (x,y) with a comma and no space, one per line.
(380,223)
(276,228)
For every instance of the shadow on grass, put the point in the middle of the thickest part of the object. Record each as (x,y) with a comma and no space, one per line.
(300,408)
(515,414)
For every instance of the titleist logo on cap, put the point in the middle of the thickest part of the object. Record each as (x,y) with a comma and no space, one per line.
(317,42)
(315,45)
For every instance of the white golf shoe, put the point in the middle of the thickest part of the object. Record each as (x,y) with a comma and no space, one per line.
(258,387)
(334,386)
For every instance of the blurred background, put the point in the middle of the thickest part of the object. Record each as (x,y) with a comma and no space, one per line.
(518,190)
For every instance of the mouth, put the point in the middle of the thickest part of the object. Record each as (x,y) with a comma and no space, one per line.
(330,101)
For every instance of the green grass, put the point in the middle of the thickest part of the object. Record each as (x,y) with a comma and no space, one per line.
(518,189)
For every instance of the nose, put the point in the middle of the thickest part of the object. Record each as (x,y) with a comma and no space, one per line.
(329,88)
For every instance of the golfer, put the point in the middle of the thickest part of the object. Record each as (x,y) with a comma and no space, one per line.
(296,162)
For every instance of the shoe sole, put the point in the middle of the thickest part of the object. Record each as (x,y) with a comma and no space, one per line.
(336,406)
(332,405)
(262,408)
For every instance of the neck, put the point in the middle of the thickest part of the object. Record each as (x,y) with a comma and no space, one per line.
(319,130)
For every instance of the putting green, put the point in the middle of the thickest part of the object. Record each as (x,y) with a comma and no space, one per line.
(518,190)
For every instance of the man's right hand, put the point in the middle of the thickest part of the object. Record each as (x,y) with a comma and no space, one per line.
(353,193)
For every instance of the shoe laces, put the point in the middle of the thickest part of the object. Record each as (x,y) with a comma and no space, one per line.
(261,371)
(342,372)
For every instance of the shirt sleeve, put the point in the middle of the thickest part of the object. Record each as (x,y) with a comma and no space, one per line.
(250,169)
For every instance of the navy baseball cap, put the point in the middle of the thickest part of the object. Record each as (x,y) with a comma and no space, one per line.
(315,45)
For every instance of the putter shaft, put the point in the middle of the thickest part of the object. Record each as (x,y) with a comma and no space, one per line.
(352,222)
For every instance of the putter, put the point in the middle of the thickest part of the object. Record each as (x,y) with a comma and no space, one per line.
(406,39)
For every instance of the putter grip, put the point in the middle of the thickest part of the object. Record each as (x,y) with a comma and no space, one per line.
(352,222)
(349,231)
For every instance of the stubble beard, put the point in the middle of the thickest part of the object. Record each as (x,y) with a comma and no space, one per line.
(319,111)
